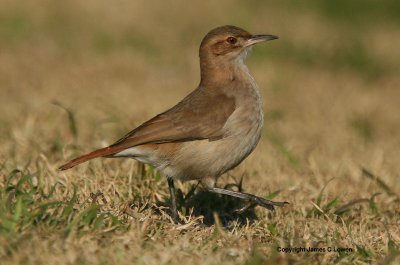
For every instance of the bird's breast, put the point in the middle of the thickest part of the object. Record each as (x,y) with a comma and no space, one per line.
(248,118)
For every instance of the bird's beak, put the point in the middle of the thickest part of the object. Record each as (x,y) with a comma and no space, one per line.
(259,38)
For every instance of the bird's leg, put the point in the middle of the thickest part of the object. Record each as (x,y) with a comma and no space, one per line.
(250,198)
(174,209)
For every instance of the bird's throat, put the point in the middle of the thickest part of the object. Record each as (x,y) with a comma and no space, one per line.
(223,73)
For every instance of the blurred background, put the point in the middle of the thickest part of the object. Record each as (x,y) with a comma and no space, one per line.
(330,83)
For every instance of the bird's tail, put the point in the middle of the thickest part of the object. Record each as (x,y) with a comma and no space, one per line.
(97,153)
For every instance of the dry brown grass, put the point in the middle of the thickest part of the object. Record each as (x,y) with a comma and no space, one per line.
(331,90)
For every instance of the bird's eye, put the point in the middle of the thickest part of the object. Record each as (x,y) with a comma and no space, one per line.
(231,40)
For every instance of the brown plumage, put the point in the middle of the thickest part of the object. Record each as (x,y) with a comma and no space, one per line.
(212,129)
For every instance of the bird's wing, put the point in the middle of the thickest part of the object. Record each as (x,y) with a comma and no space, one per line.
(201,115)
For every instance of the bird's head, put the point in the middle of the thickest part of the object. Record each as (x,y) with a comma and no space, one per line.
(229,43)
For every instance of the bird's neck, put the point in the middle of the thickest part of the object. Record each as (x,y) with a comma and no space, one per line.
(223,73)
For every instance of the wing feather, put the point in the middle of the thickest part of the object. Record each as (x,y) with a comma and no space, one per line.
(183,122)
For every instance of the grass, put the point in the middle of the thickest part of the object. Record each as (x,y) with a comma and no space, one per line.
(77,75)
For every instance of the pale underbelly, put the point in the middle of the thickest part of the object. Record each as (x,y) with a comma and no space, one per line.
(202,159)
(196,159)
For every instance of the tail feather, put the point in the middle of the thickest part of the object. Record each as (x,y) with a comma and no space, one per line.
(97,153)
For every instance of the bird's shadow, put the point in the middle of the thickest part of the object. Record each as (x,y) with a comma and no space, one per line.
(209,205)
(202,203)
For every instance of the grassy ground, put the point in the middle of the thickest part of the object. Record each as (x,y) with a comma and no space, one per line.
(76,75)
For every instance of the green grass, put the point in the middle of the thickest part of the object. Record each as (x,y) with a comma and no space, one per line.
(15,27)
(358,13)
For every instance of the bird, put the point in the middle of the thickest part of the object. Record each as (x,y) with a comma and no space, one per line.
(211,130)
